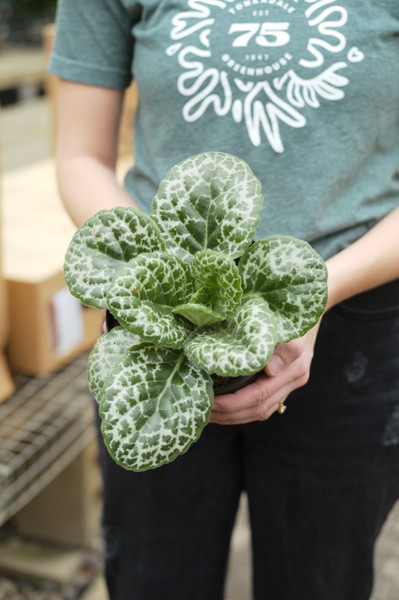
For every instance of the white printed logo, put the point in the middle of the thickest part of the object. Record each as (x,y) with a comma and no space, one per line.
(260,61)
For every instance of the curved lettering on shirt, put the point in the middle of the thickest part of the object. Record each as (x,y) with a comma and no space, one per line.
(261,62)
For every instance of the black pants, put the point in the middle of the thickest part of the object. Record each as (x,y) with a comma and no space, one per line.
(320,479)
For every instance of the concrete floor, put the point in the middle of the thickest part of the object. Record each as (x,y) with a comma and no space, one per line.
(25,137)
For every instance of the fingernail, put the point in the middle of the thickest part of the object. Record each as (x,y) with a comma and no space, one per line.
(275,365)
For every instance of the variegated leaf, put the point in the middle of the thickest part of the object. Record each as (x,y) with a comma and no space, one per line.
(210,200)
(108,350)
(198,314)
(220,291)
(197,310)
(143,294)
(219,275)
(291,277)
(240,346)
(101,247)
(154,407)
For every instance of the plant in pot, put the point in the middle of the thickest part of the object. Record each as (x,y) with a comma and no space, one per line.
(195,300)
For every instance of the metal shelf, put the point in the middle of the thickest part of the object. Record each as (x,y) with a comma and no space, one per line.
(43,427)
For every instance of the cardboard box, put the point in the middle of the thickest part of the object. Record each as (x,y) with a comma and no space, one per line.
(7,386)
(47,326)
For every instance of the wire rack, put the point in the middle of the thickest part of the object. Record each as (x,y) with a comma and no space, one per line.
(43,427)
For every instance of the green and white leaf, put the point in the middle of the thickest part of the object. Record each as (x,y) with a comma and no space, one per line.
(210,200)
(108,350)
(198,314)
(154,407)
(101,247)
(198,310)
(218,274)
(291,277)
(219,293)
(242,345)
(143,294)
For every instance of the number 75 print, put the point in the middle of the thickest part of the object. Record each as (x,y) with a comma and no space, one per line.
(266,34)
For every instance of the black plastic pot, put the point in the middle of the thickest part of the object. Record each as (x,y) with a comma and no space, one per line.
(110,321)
(233,384)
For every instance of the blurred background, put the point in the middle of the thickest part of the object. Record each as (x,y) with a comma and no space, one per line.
(50,486)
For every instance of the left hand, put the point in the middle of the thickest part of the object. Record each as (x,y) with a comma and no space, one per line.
(287,370)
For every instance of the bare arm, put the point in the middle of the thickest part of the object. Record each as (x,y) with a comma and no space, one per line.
(88,123)
(371,261)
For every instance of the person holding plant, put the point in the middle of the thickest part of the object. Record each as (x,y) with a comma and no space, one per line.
(307,93)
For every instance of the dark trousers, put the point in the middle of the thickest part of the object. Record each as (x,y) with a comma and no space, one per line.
(320,480)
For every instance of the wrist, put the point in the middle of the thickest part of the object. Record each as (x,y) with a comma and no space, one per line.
(346,278)
(369,262)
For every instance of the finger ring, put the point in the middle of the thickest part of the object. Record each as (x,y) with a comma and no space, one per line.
(281,408)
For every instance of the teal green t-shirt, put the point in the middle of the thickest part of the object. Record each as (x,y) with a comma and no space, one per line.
(306,91)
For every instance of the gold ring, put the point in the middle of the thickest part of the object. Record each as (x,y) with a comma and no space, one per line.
(281,408)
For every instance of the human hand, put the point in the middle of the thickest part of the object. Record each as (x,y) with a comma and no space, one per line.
(287,370)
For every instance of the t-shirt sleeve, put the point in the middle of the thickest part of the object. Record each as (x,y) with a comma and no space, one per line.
(93,43)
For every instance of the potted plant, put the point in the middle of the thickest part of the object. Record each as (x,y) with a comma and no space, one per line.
(193,296)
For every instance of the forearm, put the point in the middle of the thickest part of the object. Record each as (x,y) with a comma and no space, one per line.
(87,186)
(87,146)
(371,261)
